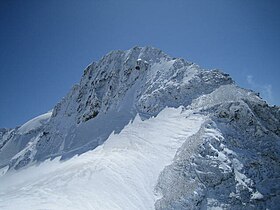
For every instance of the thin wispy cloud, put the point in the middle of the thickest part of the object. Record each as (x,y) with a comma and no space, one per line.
(250,81)
(264,89)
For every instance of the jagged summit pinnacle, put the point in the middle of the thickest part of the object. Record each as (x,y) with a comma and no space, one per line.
(148,54)
(148,50)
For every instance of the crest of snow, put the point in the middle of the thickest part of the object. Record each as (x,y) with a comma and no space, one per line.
(225,93)
(35,123)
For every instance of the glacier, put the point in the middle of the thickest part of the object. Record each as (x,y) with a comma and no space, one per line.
(143,130)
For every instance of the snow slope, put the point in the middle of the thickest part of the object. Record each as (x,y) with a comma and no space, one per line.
(120,174)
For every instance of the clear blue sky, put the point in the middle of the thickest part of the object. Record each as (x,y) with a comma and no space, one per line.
(45,45)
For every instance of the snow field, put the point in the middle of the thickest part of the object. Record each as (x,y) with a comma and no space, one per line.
(120,174)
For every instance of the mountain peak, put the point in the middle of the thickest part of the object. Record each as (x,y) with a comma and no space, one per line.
(214,139)
(141,80)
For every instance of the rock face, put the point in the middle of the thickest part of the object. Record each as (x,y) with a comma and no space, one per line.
(232,162)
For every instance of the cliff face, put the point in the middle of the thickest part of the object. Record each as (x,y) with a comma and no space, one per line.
(230,160)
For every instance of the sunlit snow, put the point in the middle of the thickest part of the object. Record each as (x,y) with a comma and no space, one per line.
(120,174)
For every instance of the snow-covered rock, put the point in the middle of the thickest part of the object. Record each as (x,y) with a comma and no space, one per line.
(217,148)
(232,162)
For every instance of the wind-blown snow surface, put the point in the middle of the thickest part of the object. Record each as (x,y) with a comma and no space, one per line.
(120,174)
(216,147)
